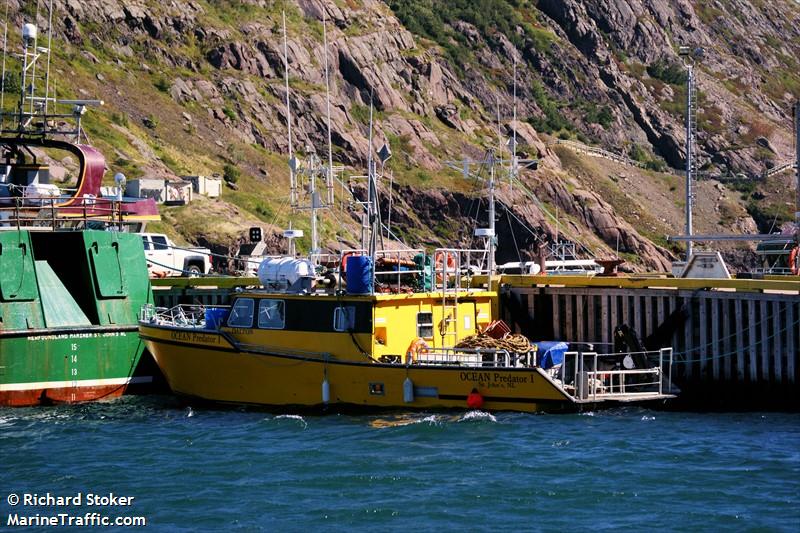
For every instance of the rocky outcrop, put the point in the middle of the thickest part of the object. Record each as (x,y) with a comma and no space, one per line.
(574,58)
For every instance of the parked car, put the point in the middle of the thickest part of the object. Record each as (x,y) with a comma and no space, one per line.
(164,258)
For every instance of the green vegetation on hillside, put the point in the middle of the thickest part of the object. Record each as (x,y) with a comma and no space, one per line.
(433,18)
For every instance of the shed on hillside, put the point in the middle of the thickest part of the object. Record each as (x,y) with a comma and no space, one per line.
(210,186)
(154,188)
(178,192)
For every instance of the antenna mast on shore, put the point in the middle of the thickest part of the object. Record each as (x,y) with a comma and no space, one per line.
(689,56)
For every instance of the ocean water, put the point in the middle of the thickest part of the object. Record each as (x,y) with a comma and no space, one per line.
(202,469)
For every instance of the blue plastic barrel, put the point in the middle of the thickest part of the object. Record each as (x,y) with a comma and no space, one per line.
(215,317)
(359,274)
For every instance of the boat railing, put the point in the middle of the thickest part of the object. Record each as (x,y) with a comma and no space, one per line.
(475,357)
(59,211)
(394,269)
(452,266)
(182,315)
(774,271)
(590,376)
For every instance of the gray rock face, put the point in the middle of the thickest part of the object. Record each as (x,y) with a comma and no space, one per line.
(595,55)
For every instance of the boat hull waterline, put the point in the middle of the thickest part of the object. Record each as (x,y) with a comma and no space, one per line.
(204,365)
(94,364)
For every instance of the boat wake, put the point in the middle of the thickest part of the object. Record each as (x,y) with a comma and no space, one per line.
(293,417)
(478,416)
(409,420)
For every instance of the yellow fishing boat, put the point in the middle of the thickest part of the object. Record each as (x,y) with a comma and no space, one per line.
(298,344)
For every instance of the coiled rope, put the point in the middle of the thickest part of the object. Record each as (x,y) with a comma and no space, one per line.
(514,343)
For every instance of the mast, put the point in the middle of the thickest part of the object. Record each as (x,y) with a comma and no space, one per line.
(292,162)
(3,80)
(492,237)
(797,167)
(328,107)
(371,197)
(314,206)
(47,69)
(514,161)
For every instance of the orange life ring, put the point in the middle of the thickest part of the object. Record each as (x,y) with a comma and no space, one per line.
(449,257)
(794,260)
(417,347)
(445,263)
(343,267)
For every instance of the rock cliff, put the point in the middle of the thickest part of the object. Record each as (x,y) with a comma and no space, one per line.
(194,86)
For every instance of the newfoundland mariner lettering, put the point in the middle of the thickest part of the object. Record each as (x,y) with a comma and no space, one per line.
(496,379)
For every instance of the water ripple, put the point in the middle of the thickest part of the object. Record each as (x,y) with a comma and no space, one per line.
(242,470)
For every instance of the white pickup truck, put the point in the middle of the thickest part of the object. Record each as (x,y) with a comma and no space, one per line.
(165,259)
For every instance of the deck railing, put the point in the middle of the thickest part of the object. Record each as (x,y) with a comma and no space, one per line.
(593,376)
(183,315)
(59,211)
(474,357)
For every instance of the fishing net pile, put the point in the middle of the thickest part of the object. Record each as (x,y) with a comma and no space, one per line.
(514,343)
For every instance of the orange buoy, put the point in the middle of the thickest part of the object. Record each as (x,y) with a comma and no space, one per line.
(474,399)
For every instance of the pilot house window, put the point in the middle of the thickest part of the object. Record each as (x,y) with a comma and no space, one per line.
(241,313)
(425,325)
(271,314)
(344,318)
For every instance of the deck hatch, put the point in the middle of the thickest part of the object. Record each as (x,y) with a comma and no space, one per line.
(106,267)
(17,278)
(344,318)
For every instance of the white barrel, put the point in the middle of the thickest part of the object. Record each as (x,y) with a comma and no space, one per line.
(326,391)
(408,390)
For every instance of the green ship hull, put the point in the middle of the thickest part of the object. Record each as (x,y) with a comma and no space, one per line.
(69,305)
